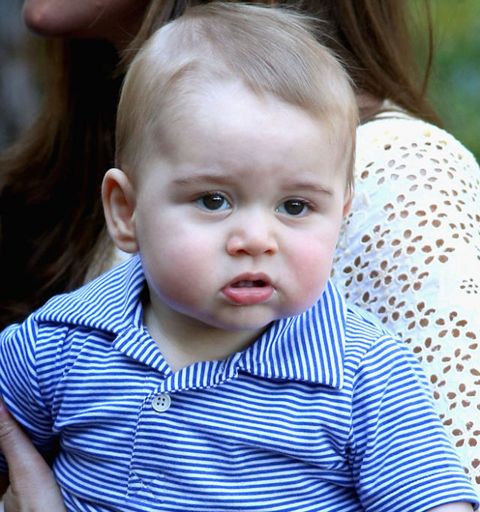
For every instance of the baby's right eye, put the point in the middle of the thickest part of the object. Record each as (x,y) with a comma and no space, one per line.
(294,207)
(213,201)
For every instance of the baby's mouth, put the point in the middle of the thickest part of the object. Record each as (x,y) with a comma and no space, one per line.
(247,290)
(257,283)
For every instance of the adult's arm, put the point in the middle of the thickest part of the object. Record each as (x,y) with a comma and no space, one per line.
(33,487)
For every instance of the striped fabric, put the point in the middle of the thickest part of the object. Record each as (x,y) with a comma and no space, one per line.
(325,412)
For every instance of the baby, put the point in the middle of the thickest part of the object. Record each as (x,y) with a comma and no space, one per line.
(218,369)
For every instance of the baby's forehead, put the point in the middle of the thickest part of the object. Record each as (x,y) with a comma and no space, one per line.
(229,127)
(196,100)
(229,106)
(224,112)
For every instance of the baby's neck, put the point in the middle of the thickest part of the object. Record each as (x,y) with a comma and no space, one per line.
(191,341)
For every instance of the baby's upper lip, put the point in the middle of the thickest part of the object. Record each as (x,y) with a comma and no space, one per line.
(250,279)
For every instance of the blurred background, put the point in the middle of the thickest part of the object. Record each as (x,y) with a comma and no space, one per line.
(454,85)
(19,92)
(455,82)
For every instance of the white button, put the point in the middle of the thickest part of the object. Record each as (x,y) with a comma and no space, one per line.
(161,403)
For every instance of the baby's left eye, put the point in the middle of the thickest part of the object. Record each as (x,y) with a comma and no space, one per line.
(213,201)
(293,207)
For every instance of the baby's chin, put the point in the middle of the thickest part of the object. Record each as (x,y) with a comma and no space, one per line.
(244,319)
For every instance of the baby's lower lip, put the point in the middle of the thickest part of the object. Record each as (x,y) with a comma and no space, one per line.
(249,294)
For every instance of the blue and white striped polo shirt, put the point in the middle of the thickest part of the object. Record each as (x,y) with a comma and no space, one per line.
(325,412)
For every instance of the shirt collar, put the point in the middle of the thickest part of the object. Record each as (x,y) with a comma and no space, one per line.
(307,347)
(118,291)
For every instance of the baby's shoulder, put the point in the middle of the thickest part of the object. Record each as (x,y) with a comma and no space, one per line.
(367,339)
(105,303)
(102,307)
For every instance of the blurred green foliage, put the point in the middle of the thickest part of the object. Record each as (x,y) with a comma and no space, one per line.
(455,81)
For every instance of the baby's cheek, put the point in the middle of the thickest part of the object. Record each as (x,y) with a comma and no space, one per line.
(174,286)
(181,269)
(313,270)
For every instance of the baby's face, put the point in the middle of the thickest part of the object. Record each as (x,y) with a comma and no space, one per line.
(238,223)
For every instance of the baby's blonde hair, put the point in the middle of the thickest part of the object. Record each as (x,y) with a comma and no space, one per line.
(269,49)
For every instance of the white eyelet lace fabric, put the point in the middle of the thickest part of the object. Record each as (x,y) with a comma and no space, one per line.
(409,252)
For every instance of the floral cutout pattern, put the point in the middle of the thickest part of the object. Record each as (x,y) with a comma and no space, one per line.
(409,252)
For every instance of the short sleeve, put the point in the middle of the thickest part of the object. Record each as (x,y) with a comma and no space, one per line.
(401,457)
(19,383)
(410,253)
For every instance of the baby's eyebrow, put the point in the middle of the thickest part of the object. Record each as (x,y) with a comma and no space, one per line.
(307,185)
(211,178)
(221,180)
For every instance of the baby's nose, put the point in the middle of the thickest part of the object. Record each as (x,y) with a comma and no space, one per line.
(253,239)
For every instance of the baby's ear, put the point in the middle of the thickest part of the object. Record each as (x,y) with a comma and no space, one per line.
(118,197)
